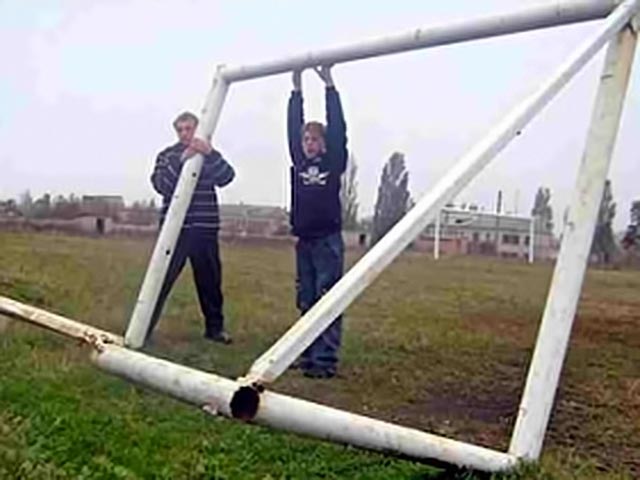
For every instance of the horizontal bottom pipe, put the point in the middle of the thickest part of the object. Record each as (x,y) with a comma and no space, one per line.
(216,394)
(227,397)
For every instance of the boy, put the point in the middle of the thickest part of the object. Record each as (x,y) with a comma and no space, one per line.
(198,239)
(319,158)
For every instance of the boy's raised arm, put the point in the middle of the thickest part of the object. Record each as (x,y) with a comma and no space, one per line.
(295,119)
(336,126)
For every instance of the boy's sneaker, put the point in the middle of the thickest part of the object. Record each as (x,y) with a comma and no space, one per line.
(319,373)
(219,337)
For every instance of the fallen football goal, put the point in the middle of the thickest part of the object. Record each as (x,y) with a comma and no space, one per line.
(248,398)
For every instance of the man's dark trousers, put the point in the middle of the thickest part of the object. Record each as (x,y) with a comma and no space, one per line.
(201,248)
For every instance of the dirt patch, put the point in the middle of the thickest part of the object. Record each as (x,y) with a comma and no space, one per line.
(601,431)
(495,409)
(520,331)
(480,417)
(615,324)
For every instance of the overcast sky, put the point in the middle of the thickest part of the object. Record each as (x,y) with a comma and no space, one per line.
(89,89)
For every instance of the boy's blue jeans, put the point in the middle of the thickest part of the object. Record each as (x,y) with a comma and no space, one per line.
(320,263)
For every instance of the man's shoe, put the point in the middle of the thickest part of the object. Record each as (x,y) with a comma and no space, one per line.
(219,337)
(299,364)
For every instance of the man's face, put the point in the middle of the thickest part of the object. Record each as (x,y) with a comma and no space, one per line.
(185,130)
(312,144)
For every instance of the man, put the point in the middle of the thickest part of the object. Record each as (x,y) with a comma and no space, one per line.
(198,240)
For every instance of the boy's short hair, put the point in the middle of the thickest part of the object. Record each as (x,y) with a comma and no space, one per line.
(314,127)
(185,117)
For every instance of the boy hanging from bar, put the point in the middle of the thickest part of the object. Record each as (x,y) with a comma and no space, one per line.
(319,157)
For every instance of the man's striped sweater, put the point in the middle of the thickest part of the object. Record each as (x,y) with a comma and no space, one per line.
(203,214)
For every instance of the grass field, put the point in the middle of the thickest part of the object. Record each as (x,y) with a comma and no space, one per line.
(441,346)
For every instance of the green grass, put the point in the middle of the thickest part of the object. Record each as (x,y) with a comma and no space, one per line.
(442,346)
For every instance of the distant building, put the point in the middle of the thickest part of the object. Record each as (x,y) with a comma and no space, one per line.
(253,220)
(9,208)
(462,231)
(102,205)
(474,232)
(139,214)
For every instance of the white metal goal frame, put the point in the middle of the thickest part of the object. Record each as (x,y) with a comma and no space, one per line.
(247,399)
